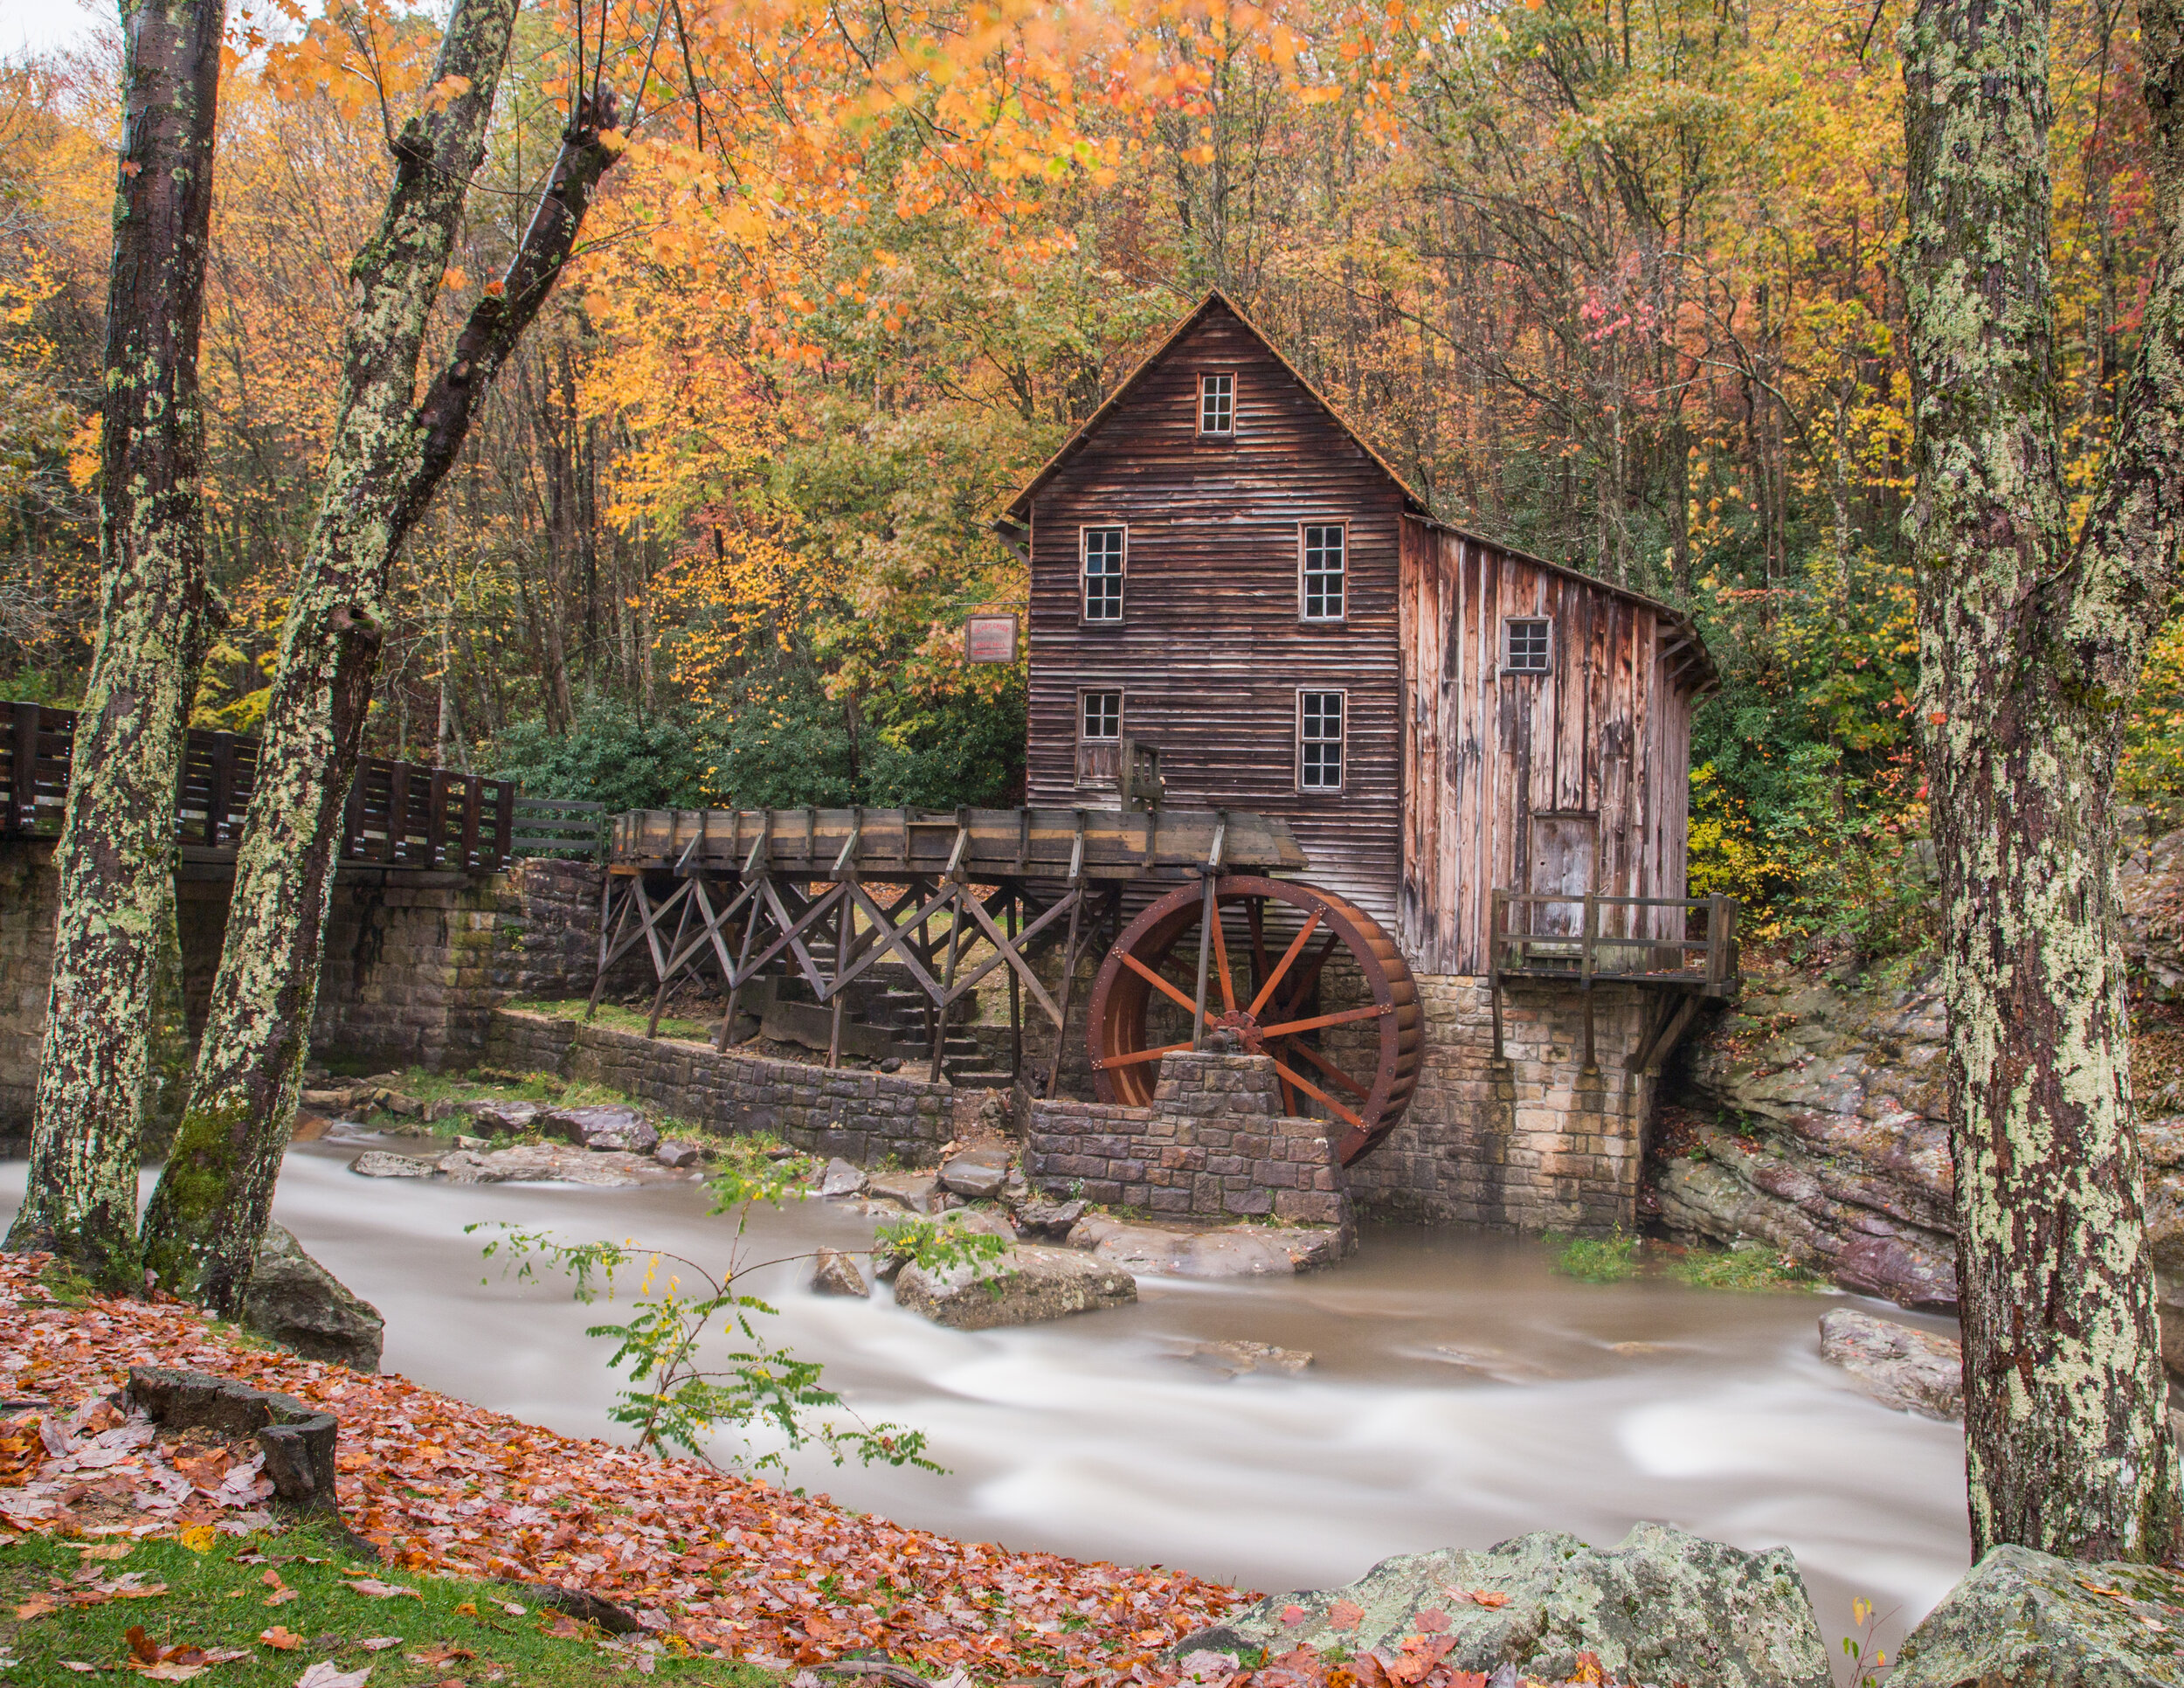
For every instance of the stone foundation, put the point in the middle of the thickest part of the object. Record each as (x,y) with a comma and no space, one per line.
(864,1118)
(1536,1142)
(1215,1144)
(415,964)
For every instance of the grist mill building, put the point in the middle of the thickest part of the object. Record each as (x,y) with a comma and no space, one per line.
(1486,753)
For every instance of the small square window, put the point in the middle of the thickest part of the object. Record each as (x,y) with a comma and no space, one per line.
(1103,548)
(1217,404)
(1319,739)
(1102,716)
(1528,640)
(1322,583)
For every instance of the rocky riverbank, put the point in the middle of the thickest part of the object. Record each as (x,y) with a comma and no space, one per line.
(1812,1117)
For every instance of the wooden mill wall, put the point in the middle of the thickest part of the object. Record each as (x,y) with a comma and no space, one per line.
(1211,651)
(1571,779)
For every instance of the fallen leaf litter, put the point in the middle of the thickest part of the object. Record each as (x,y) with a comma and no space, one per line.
(710,1562)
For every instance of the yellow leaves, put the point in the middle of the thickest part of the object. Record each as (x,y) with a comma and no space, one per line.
(198,1537)
(83,452)
(448,87)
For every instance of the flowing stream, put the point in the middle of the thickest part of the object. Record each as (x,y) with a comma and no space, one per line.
(1461,1393)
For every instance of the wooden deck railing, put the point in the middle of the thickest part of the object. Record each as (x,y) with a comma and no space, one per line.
(1645,940)
(399,814)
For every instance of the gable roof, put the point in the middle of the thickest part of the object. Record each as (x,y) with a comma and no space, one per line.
(1018,508)
(1215,300)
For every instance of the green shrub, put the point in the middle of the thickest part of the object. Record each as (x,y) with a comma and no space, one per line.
(1748,1269)
(1596,1259)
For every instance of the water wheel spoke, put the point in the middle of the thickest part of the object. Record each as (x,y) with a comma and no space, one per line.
(1328,1068)
(1283,966)
(1312,1089)
(1221,962)
(1158,983)
(1108,1062)
(1347,1016)
(1255,912)
(1308,975)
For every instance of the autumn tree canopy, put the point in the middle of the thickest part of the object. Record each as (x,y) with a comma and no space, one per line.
(1616,284)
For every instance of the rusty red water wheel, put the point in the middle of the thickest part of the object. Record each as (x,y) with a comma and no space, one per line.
(1347,1036)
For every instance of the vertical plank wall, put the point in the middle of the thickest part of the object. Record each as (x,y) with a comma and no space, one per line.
(1494,763)
(1211,651)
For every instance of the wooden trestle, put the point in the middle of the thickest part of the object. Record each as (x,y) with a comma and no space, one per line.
(828,895)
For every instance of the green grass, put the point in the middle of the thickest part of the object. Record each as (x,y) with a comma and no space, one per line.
(1596,1259)
(621,1019)
(213,1600)
(1748,1269)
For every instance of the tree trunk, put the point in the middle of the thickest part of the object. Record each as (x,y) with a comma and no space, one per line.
(116,852)
(210,1207)
(2029,648)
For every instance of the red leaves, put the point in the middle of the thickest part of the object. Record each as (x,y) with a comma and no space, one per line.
(719,1563)
(1344,1615)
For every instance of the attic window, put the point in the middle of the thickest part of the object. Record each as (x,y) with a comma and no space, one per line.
(1217,405)
(1527,642)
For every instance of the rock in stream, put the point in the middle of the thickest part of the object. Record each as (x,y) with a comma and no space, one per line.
(1661,1607)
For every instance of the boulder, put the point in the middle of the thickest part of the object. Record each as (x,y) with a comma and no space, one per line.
(919,1192)
(1237,1358)
(1027,1285)
(296,1302)
(836,1274)
(1047,1220)
(2021,1616)
(1242,1251)
(332,1102)
(1912,1371)
(676,1152)
(379,1163)
(308,1128)
(978,1175)
(408,1106)
(841,1178)
(1661,1607)
(513,1117)
(628,1128)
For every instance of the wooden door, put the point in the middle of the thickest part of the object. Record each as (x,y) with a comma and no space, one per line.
(1565,862)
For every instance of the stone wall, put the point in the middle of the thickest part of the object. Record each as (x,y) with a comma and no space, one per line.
(1537,1142)
(864,1118)
(415,964)
(1215,1144)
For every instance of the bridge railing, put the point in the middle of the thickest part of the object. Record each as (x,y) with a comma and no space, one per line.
(399,814)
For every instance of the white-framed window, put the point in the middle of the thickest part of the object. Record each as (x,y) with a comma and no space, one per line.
(1527,644)
(1099,716)
(1099,737)
(1321,718)
(1320,572)
(1105,550)
(1217,404)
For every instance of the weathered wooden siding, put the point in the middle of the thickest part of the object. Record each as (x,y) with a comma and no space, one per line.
(1574,778)
(1211,651)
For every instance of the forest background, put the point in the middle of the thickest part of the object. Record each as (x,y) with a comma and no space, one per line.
(1614,283)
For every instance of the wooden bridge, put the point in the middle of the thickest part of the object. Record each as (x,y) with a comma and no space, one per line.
(401,817)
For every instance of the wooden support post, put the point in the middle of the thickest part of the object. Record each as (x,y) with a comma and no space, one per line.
(1014,913)
(606,935)
(1584,968)
(1068,952)
(957,918)
(667,974)
(1495,922)
(845,924)
(1209,911)
(1716,942)
(742,957)
(220,789)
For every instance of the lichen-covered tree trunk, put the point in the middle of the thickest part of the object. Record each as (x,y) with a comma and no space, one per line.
(116,852)
(2031,639)
(205,1219)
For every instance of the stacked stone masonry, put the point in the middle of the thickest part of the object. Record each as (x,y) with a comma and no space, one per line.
(1536,1142)
(864,1118)
(1215,1144)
